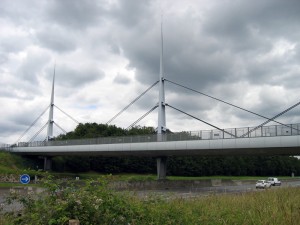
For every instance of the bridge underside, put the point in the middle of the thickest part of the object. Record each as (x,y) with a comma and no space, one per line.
(280,145)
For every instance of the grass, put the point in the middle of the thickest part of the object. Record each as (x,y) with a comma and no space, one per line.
(280,206)
(95,204)
(9,163)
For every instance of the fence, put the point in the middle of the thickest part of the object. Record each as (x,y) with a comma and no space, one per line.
(246,132)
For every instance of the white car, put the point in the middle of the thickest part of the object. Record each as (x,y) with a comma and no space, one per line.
(262,184)
(274,181)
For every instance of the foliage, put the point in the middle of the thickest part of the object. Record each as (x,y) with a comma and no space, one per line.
(94,130)
(15,164)
(92,202)
(234,166)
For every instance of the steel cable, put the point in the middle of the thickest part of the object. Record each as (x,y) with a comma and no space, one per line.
(264,123)
(201,120)
(220,100)
(67,114)
(37,133)
(33,123)
(60,127)
(132,102)
(142,117)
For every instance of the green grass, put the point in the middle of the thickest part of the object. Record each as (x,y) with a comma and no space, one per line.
(9,163)
(96,204)
(279,206)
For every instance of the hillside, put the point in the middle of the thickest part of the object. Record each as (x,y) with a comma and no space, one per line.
(10,163)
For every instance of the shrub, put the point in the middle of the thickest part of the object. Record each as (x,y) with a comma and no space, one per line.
(91,202)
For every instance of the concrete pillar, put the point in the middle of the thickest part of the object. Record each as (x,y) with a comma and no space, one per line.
(47,163)
(161,168)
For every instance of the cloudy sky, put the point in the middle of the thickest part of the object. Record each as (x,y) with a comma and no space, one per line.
(106,53)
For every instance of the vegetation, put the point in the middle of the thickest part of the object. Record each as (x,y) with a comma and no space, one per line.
(13,164)
(10,163)
(93,203)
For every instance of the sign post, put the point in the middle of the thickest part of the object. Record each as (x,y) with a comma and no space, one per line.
(25,179)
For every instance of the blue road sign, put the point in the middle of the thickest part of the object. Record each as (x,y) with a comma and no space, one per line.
(25,179)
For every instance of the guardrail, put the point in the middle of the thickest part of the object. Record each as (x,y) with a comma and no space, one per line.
(246,132)
(4,147)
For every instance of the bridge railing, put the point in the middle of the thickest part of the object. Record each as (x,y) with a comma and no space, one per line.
(245,132)
(5,147)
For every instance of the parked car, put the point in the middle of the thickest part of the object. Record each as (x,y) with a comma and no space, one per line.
(262,184)
(274,181)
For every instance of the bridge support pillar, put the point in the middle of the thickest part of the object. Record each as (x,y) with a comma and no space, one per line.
(161,168)
(47,163)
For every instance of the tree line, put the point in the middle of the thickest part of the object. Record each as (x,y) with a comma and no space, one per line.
(179,166)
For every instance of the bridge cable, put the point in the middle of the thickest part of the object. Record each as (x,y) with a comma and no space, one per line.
(67,114)
(272,119)
(37,133)
(201,120)
(33,123)
(246,110)
(142,117)
(137,98)
(60,127)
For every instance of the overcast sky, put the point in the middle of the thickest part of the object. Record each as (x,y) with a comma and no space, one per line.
(107,53)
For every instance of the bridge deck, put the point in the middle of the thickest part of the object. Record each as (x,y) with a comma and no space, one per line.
(269,140)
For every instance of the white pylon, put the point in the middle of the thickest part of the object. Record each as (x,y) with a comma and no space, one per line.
(51,121)
(161,127)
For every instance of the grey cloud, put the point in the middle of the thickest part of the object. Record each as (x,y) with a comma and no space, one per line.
(32,66)
(207,54)
(76,77)
(21,12)
(18,121)
(252,25)
(131,12)
(13,44)
(215,49)
(77,14)
(57,39)
(121,79)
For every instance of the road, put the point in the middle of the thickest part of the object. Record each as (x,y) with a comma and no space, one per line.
(206,191)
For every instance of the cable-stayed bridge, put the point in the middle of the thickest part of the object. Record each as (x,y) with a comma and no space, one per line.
(263,139)
(279,139)
(268,140)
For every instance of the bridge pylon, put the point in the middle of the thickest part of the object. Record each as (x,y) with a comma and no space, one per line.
(51,121)
(161,126)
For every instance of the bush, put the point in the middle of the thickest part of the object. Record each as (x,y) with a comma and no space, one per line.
(91,202)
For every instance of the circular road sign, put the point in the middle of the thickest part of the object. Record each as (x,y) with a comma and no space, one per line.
(25,179)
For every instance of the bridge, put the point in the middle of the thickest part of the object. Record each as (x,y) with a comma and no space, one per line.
(269,140)
(278,139)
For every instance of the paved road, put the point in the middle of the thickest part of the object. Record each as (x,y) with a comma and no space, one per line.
(206,191)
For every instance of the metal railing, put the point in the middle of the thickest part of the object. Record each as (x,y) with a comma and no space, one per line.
(4,147)
(265,131)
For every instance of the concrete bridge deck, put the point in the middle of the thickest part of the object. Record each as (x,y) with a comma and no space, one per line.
(269,140)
